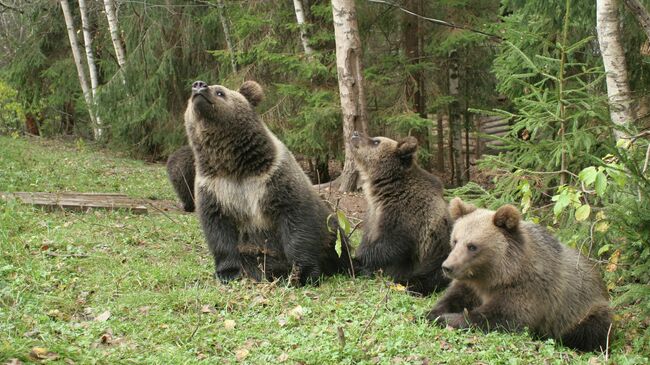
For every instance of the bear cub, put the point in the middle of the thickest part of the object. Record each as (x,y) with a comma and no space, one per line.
(180,170)
(406,233)
(509,274)
(260,215)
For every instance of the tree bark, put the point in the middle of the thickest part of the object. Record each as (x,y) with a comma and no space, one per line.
(76,55)
(350,77)
(441,143)
(455,127)
(120,52)
(226,34)
(618,89)
(640,13)
(92,67)
(300,18)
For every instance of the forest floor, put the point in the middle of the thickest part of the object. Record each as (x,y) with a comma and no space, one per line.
(113,287)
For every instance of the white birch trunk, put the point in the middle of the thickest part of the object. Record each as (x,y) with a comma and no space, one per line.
(120,53)
(300,17)
(92,68)
(76,55)
(226,34)
(618,88)
(350,76)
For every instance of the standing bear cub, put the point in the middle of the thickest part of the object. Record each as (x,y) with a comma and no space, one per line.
(180,170)
(260,215)
(508,274)
(406,233)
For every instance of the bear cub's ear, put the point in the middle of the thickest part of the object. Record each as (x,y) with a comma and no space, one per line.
(458,208)
(507,217)
(252,91)
(406,148)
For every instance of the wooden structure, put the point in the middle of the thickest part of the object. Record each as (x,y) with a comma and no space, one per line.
(81,201)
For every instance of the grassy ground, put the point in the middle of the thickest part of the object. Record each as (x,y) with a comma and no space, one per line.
(111,287)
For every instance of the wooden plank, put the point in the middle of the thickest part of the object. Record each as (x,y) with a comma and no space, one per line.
(80,201)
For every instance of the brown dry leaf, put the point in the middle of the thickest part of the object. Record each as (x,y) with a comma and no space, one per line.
(103,317)
(42,353)
(283,357)
(144,310)
(241,354)
(297,312)
(207,308)
(201,356)
(229,324)
(13,362)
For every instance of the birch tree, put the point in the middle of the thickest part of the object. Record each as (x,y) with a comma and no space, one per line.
(76,55)
(350,77)
(455,120)
(92,68)
(300,18)
(120,53)
(611,49)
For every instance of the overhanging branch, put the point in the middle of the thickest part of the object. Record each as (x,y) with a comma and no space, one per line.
(436,21)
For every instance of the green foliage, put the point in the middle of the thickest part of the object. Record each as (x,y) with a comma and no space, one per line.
(11,112)
(560,161)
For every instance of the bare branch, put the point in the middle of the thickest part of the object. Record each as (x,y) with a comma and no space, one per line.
(436,21)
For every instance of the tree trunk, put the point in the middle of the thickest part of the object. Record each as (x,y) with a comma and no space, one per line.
(618,89)
(120,53)
(411,39)
(300,17)
(226,34)
(350,76)
(76,55)
(455,127)
(92,68)
(640,13)
(441,143)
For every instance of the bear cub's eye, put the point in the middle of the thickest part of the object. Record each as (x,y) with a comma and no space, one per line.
(220,93)
(472,247)
(375,142)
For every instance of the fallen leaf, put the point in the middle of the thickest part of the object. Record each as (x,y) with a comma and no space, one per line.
(593,361)
(297,312)
(397,287)
(14,362)
(283,357)
(144,310)
(282,321)
(241,354)
(103,317)
(229,324)
(207,308)
(42,353)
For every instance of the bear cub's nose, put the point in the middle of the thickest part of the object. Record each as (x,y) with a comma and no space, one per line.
(198,85)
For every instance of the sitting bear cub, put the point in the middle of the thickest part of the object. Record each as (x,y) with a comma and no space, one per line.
(508,274)
(260,215)
(406,233)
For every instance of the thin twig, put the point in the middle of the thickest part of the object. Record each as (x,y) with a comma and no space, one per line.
(374,314)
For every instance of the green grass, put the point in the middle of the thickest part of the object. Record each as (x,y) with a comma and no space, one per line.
(59,271)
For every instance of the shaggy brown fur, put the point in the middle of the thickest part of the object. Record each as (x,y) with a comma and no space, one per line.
(406,233)
(180,170)
(511,274)
(260,216)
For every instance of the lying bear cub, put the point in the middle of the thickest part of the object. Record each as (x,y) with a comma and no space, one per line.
(509,274)
(260,215)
